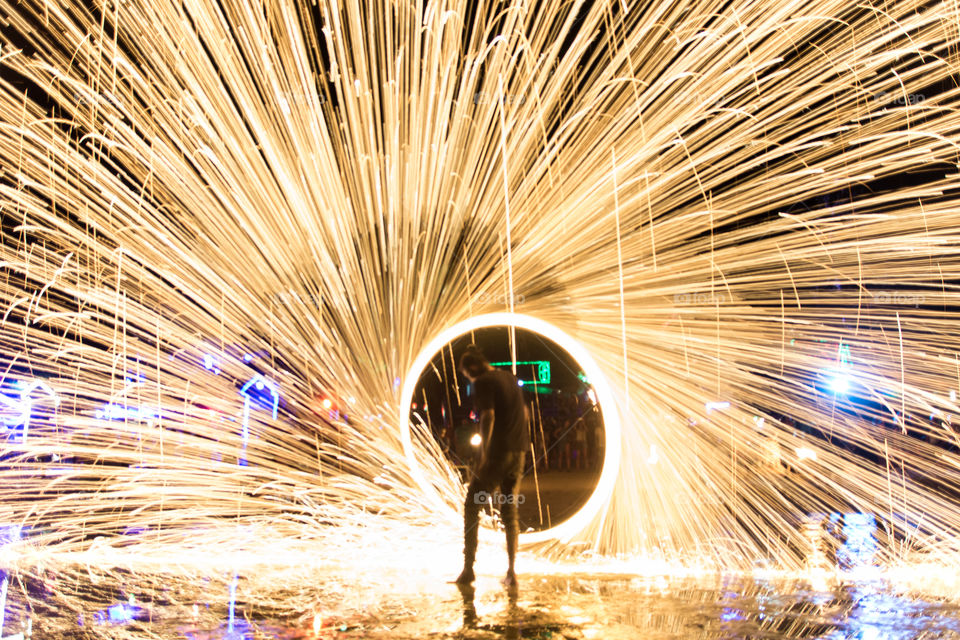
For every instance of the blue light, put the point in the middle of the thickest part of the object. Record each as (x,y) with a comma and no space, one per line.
(233,602)
(520,383)
(120,613)
(838,379)
(262,392)
(114,411)
(13,414)
(211,364)
(19,409)
(861,544)
(3,603)
(731,615)
(10,533)
(839,383)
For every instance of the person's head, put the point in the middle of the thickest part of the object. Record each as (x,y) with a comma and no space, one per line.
(473,363)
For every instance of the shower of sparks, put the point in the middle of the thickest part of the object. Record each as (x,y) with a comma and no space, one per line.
(196,193)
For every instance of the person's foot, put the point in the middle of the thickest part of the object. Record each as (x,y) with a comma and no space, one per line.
(466,577)
(510,580)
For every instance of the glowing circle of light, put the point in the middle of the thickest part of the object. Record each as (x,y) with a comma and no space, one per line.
(565,530)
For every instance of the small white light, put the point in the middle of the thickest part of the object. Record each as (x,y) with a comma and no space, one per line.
(710,406)
(840,383)
(806,453)
(475,439)
(654,456)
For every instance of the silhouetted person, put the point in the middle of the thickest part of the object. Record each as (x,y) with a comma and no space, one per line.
(505,440)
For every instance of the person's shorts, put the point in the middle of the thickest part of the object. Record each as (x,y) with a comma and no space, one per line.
(502,470)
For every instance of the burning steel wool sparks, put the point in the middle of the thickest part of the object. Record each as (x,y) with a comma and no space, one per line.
(231,230)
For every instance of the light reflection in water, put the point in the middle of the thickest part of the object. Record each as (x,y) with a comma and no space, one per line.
(855,603)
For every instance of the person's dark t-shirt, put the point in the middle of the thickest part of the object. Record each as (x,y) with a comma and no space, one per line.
(500,391)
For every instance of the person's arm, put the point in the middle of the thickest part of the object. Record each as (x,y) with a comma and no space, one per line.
(486,432)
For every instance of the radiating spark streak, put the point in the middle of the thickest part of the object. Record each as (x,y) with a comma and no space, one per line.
(506,217)
(623,311)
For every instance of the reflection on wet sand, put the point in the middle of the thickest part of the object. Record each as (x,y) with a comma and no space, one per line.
(542,608)
(843,596)
(513,622)
(709,609)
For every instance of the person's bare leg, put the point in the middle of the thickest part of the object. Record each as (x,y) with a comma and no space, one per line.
(512,534)
(510,516)
(471,524)
(466,577)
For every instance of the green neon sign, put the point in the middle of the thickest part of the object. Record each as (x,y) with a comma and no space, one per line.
(543,370)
